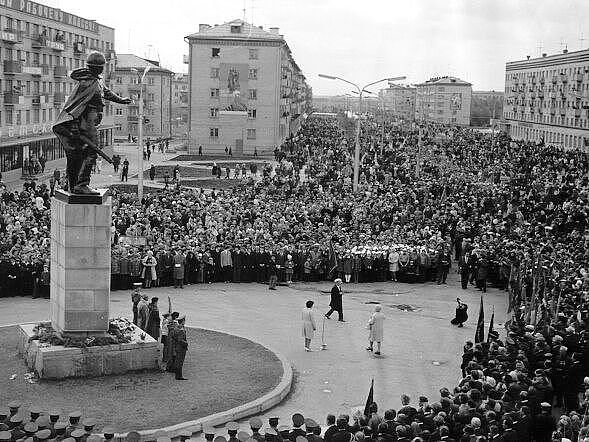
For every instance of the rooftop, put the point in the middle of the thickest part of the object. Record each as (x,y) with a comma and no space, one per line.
(230,30)
(446,80)
(128,61)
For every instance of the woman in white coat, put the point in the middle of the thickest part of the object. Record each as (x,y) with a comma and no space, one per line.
(308,325)
(376,329)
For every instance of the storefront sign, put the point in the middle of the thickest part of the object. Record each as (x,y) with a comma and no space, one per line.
(51,13)
(25,130)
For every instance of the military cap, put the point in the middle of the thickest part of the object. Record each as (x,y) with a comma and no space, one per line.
(133,436)
(89,423)
(163,439)
(545,405)
(31,428)
(94,438)
(43,422)
(60,427)
(108,432)
(273,421)
(243,436)
(219,439)
(298,419)
(43,434)
(208,430)
(75,414)
(232,426)
(4,413)
(310,423)
(54,413)
(301,439)
(78,433)
(69,439)
(185,434)
(35,412)
(16,419)
(422,399)
(283,428)
(256,422)
(5,436)
(14,405)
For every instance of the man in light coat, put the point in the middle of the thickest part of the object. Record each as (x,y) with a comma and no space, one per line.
(143,312)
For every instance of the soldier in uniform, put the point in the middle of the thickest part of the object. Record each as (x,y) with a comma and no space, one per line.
(255,425)
(232,429)
(297,422)
(180,348)
(209,433)
(80,118)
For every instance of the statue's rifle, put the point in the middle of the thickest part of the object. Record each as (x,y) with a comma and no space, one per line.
(88,144)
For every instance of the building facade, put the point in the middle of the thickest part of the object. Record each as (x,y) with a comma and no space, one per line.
(445,100)
(546,99)
(399,101)
(246,91)
(486,107)
(180,105)
(157,98)
(39,47)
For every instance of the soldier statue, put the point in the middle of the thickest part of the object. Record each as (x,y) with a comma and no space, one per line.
(76,125)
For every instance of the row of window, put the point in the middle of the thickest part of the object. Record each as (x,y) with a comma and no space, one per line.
(546,73)
(214,113)
(548,136)
(35,87)
(37,59)
(581,123)
(252,73)
(34,29)
(252,94)
(252,53)
(214,133)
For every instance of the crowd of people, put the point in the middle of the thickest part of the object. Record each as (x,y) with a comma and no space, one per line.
(513,215)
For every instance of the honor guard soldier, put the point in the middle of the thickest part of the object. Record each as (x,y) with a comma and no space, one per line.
(89,424)
(232,429)
(185,435)
(219,439)
(4,420)
(54,417)
(14,406)
(43,434)
(78,434)
(59,431)
(284,432)
(108,433)
(164,439)
(273,422)
(74,422)
(35,413)
(270,435)
(297,422)
(255,425)
(16,426)
(209,433)
(310,427)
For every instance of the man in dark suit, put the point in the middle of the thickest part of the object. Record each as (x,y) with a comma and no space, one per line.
(343,433)
(336,304)
(331,428)
(181,346)
(297,422)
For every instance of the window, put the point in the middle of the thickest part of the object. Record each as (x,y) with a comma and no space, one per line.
(253,54)
(150,96)
(214,112)
(118,111)
(214,132)
(214,93)
(251,134)
(253,74)
(251,113)
(252,94)
(118,127)
(214,72)
(235,29)
(215,52)
(150,81)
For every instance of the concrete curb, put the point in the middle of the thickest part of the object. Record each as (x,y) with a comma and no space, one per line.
(255,407)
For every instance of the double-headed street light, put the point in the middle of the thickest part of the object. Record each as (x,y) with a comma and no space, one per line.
(360,91)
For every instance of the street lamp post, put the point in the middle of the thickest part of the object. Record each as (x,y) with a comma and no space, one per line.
(357,142)
(141,78)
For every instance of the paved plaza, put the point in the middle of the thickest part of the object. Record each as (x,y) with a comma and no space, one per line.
(421,350)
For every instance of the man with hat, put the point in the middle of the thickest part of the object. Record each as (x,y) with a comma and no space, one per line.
(185,435)
(336,301)
(255,425)
(297,422)
(273,422)
(31,428)
(16,426)
(59,430)
(89,424)
(180,347)
(78,434)
(271,435)
(310,427)
(14,406)
(544,424)
(108,433)
(74,422)
(232,429)
(209,433)
(43,434)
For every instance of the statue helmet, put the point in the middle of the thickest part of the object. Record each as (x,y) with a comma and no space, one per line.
(96,59)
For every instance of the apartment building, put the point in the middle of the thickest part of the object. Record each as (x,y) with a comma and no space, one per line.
(445,100)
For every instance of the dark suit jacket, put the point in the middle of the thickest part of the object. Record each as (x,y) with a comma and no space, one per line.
(336,298)
(342,436)
(292,436)
(329,433)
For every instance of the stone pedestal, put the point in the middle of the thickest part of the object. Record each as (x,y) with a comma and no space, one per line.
(80,263)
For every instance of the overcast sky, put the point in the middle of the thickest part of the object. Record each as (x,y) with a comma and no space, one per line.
(361,41)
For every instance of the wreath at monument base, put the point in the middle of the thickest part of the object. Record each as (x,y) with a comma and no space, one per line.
(120,331)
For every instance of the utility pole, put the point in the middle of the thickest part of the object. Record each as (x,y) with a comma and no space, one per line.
(141,79)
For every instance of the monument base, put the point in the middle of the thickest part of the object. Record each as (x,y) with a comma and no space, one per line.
(59,362)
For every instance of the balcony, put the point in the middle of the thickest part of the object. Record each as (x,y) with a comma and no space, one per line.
(577,113)
(542,80)
(11,98)
(564,78)
(12,67)
(552,111)
(562,111)
(58,98)
(79,48)
(578,78)
(36,71)
(56,45)
(10,35)
(132,119)
(134,88)
(60,71)
(554,79)
(39,42)
(36,100)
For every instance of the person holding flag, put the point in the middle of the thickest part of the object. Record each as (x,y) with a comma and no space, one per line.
(336,304)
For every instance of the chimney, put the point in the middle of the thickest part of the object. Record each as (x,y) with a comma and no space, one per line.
(274,31)
(203,27)
(544,54)
(564,51)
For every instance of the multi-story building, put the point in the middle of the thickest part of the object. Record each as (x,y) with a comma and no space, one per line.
(546,99)
(246,90)
(180,105)
(444,100)
(157,98)
(486,107)
(399,101)
(39,47)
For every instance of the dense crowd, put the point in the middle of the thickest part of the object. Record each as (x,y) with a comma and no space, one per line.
(511,214)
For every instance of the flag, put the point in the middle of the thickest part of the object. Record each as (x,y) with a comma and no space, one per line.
(332,259)
(491,325)
(369,400)
(169,305)
(479,335)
